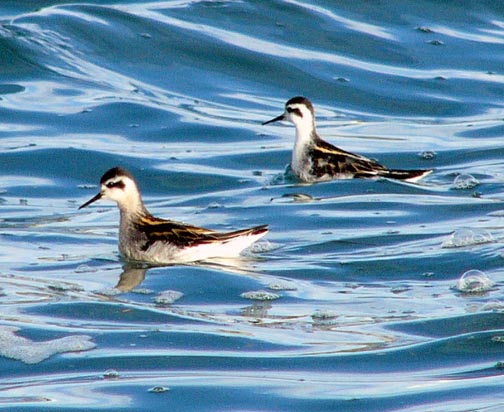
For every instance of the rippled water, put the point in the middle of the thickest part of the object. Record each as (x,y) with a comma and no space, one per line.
(362,308)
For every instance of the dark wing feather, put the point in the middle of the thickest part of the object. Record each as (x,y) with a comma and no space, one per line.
(179,234)
(183,235)
(331,160)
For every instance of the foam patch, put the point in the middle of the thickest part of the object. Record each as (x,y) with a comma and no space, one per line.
(28,351)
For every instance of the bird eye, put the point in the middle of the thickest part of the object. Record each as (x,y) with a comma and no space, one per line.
(297,112)
(119,184)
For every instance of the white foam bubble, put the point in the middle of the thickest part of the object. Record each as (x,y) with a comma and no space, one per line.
(427,155)
(324,318)
(465,181)
(168,297)
(16,347)
(260,295)
(85,269)
(474,281)
(260,247)
(111,374)
(282,285)
(468,237)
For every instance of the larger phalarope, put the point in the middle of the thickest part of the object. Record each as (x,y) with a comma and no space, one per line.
(315,160)
(145,238)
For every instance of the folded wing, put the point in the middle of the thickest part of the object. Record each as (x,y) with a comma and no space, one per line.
(183,235)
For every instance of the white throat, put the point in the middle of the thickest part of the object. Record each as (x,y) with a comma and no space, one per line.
(131,204)
(305,130)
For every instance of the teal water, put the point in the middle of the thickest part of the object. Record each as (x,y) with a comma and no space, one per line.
(367,316)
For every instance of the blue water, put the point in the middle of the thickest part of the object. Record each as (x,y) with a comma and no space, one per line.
(367,316)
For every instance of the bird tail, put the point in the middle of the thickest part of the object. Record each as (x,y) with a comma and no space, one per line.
(256,232)
(253,231)
(260,229)
(412,176)
(233,243)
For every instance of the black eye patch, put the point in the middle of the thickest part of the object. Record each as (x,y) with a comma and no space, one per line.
(119,184)
(297,112)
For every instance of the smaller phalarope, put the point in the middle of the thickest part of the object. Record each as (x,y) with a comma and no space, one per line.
(315,160)
(145,238)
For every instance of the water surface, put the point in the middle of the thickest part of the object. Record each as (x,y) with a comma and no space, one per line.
(366,317)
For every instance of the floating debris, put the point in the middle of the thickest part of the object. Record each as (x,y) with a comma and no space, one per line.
(260,295)
(468,237)
(464,182)
(474,281)
(299,197)
(28,351)
(214,205)
(400,289)
(168,297)
(159,389)
(424,29)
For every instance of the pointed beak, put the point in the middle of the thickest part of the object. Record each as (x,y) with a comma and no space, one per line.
(94,199)
(276,119)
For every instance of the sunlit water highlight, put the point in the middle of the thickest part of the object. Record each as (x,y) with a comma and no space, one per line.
(366,294)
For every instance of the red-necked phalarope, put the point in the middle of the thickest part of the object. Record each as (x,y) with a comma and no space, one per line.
(315,160)
(145,238)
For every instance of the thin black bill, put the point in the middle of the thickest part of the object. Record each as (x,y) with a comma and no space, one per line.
(276,119)
(94,199)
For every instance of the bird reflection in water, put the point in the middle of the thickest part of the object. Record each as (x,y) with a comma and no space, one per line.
(134,273)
